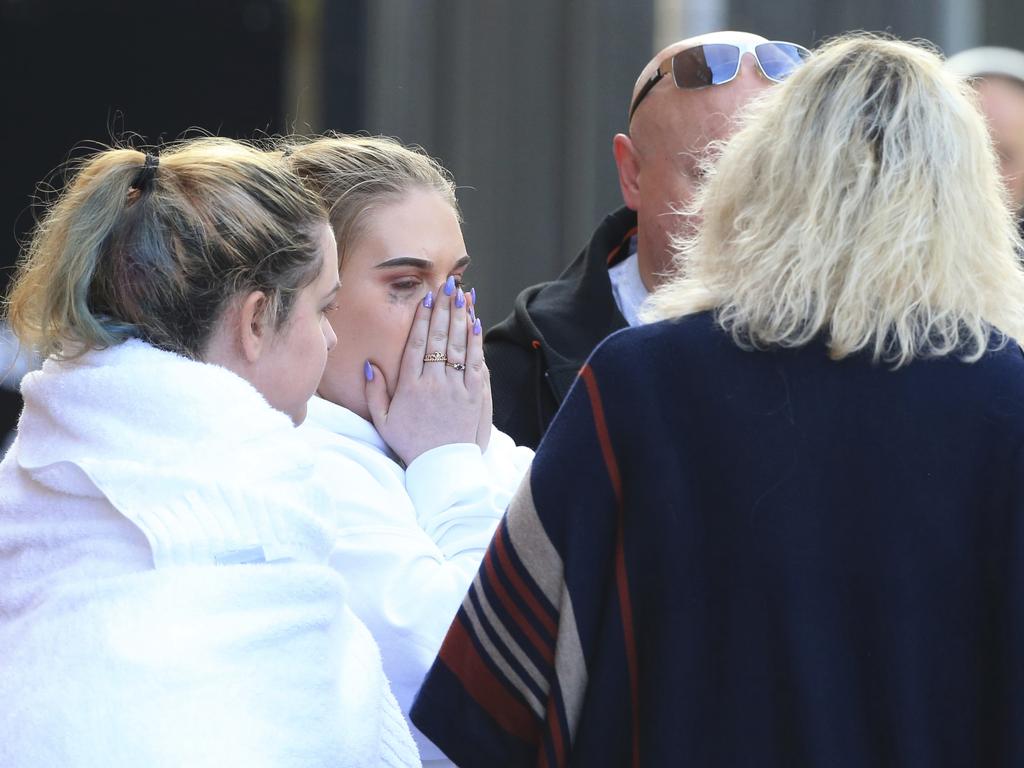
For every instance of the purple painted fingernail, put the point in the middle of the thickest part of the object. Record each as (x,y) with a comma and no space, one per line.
(368,370)
(460,298)
(472,295)
(449,285)
(472,314)
(477,327)
(428,300)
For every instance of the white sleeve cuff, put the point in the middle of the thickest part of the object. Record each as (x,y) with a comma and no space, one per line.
(443,477)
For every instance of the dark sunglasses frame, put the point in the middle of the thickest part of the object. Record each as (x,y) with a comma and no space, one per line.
(668,66)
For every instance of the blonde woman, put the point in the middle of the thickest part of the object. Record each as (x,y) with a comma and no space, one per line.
(784,526)
(405,396)
(166,597)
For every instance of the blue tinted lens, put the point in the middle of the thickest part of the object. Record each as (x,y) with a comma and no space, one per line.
(705,65)
(778,60)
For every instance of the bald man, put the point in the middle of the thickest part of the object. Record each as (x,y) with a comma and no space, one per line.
(998,75)
(685,98)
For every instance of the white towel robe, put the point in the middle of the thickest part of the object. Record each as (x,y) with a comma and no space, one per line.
(165,593)
(410,540)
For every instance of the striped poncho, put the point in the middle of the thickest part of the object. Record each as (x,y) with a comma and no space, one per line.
(726,558)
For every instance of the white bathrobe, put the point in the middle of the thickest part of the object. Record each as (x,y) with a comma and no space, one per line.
(410,540)
(165,593)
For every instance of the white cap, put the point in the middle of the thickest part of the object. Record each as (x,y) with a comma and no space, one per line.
(977,62)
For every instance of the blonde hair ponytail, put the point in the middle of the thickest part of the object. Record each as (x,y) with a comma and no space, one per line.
(51,292)
(156,250)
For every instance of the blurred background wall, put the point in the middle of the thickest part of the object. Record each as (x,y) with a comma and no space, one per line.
(519,98)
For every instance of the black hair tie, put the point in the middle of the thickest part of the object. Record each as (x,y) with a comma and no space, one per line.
(146,173)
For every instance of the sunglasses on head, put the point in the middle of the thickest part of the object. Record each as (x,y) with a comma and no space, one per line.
(718,63)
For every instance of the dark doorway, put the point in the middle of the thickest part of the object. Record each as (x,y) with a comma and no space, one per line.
(77,73)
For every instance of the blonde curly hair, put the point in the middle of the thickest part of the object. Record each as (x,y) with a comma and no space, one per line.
(859,202)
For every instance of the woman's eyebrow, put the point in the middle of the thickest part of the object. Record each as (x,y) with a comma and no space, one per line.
(417,263)
(405,261)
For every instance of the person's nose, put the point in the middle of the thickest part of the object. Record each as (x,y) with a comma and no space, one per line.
(330,336)
(749,68)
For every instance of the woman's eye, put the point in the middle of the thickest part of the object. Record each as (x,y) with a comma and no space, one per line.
(329,308)
(405,285)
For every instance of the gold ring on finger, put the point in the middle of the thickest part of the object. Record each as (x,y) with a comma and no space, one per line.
(456,366)
(435,357)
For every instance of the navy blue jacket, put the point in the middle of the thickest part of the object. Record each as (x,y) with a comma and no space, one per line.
(771,558)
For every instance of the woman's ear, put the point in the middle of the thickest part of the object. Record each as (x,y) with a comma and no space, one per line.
(252,325)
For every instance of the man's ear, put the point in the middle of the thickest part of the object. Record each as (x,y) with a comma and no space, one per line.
(629,169)
(252,325)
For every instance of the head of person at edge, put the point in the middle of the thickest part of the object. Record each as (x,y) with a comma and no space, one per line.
(686,98)
(402,311)
(997,75)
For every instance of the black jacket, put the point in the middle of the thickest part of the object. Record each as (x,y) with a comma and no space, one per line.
(536,352)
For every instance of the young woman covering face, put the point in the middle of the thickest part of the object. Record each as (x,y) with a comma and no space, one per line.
(404,249)
(405,394)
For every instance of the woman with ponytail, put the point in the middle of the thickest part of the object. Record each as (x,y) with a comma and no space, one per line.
(166,597)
